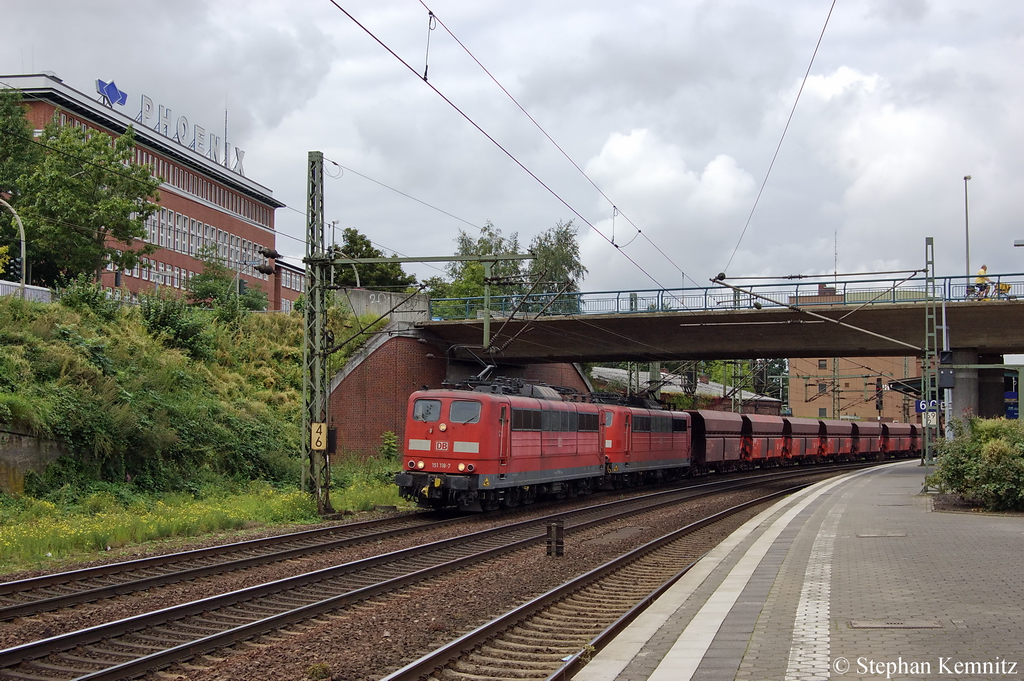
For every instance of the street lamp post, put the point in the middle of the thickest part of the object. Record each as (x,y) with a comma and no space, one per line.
(967,230)
(21,229)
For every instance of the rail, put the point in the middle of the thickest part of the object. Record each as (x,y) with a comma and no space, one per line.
(854,292)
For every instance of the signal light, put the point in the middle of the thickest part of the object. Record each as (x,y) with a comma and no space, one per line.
(16,268)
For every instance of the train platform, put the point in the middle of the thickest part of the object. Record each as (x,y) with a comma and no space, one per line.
(856,577)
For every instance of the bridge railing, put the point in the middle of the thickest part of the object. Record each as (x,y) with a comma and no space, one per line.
(767,295)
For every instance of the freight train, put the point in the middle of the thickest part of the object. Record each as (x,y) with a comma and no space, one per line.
(501,445)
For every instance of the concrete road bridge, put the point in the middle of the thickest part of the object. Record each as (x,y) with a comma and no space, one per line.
(859,318)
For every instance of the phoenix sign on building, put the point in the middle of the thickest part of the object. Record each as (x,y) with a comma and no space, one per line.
(205,197)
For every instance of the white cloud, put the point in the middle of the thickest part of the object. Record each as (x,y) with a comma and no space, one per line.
(675,108)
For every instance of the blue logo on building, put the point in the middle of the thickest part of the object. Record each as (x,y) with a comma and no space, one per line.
(111,95)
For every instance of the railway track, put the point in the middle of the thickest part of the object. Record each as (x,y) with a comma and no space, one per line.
(26,597)
(135,645)
(554,635)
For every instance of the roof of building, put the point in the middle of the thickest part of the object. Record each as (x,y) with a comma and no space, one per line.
(672,383)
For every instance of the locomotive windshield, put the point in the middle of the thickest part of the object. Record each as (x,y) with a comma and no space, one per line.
(465,411)
(426,410)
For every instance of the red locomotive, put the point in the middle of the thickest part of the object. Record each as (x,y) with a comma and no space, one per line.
(502,445)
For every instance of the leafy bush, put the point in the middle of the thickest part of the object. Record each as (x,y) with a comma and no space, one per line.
(182,326)
(388,447)
(83,294)
(360,483)
(984,463)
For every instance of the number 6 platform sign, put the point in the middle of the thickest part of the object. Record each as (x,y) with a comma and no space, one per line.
(318,436)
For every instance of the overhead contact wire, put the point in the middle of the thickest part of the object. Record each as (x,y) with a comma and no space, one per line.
(492,140)
(785,129)
(550,139)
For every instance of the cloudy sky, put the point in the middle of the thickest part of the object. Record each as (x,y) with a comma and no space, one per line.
(672,108)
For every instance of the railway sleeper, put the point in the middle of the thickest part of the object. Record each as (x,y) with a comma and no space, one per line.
(101,662)
(492,662)
(556,650)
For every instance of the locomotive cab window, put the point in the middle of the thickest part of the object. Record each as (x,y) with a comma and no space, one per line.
(426,410)
(465,411)
(608,419)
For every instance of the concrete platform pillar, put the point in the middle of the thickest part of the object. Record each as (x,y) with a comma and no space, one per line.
(977,392)
(991,392)
(965,388)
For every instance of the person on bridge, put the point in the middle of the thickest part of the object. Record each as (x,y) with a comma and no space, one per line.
(981,282)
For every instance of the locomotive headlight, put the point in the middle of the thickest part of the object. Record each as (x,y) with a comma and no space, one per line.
(412,464)
(470,468)
(442,427)
(462,467)
(420,464)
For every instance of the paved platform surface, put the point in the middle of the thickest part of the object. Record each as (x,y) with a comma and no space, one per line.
(854,578)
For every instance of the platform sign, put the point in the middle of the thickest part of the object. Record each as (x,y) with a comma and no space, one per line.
(922,406)
(1012,405)
(318,436)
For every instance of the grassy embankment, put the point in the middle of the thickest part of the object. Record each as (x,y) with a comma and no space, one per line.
(178,422)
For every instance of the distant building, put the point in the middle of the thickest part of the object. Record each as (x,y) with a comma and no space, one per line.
(854,388)
(205,197)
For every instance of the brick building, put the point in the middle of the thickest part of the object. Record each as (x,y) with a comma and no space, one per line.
(855,388)
(205,197)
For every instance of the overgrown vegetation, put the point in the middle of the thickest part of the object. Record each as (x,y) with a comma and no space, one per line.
(360,484)
(154,402)
(984,463)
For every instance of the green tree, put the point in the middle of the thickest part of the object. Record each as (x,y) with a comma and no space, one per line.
(217,286)
(489,242)
(466,279)
(371,275)
(17,152)
(84,203)
(557,262)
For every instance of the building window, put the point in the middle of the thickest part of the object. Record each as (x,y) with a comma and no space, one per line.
(822,412)
(822,387)
(823,364)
